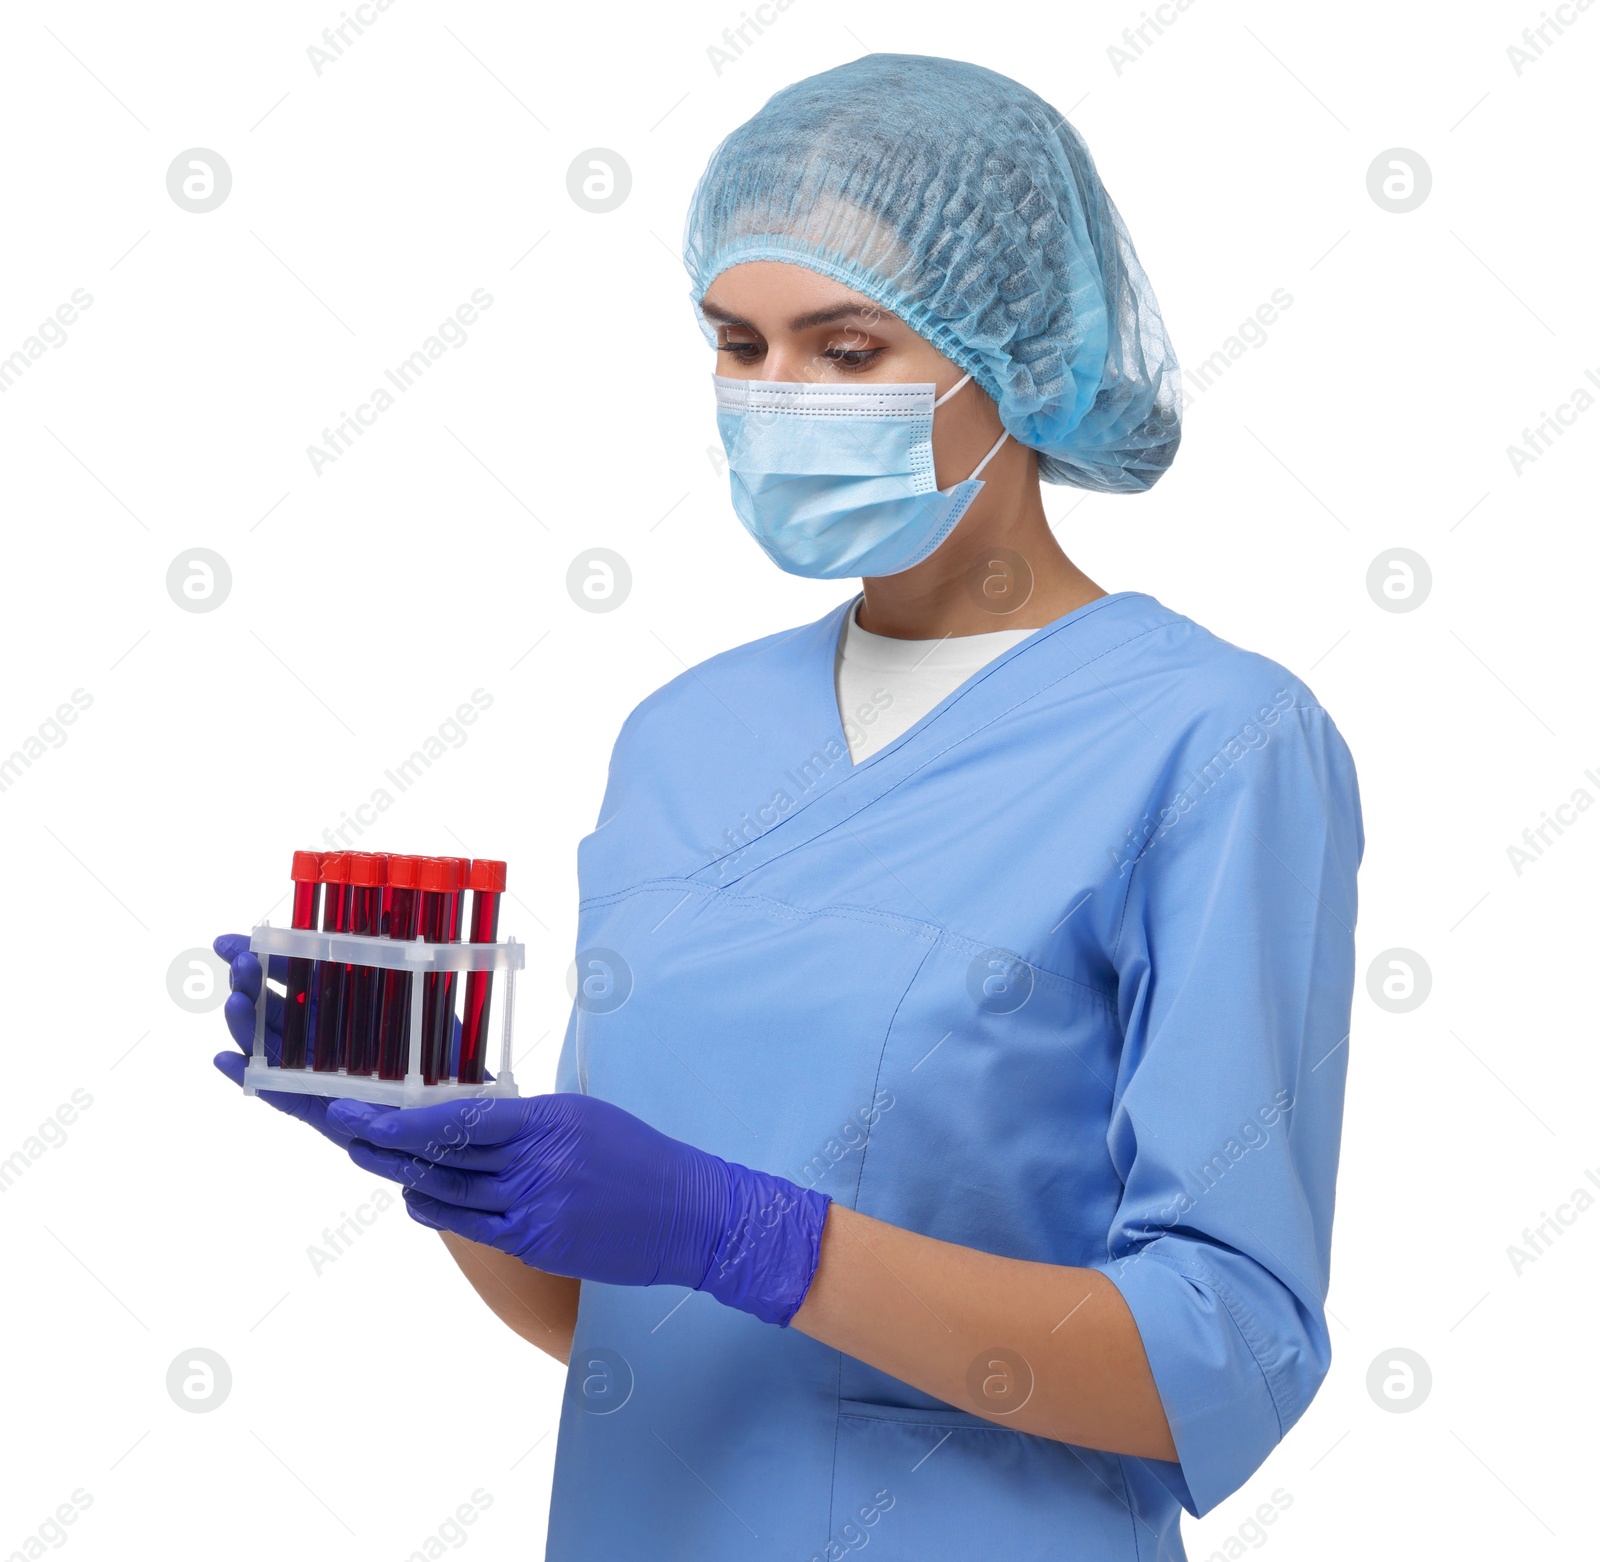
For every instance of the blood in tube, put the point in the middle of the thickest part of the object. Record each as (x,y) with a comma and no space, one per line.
(360,1022)
(458,917)
(453,915)
(388,894)
(394,1009)
(335,876)
(440,879)
(305,871)
(458,906)
(487,881)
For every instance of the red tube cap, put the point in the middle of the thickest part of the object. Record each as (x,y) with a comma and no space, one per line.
(364,870)
(488,875)
(404,871)
(440,875)
(307,868)
(335,868)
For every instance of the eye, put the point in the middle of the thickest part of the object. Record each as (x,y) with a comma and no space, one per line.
(852,359)
(741,352)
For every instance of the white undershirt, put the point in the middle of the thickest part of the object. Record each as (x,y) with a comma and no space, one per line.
(885,686)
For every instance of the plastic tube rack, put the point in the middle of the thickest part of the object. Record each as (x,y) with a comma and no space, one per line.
(419,958)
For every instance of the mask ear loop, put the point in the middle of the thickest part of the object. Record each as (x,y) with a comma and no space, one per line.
(1005,434)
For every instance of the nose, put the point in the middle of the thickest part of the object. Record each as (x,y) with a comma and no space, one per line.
(787,361)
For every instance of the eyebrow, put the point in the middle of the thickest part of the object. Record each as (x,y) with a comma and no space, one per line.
(800,322)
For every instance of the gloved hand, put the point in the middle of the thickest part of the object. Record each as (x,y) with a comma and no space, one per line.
(244,978)
(576,1186)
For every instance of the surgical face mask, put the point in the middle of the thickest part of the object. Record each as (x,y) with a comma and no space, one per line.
(837,480)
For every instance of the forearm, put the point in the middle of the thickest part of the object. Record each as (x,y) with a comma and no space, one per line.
(938,1316)
(542,1308)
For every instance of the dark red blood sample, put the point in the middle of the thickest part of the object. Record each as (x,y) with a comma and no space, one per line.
(359,1024)
(394,1009)
(440,880)
(487,881)
(305,871)
(458,915)
(335,876)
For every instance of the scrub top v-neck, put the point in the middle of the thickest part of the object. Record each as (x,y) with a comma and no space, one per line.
(886,685)
(1062,973)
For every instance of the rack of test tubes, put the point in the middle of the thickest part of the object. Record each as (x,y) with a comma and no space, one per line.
(369,1005)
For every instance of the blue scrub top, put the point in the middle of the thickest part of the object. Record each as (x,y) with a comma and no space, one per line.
(1064,974)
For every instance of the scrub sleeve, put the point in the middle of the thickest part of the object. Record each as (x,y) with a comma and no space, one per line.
(1235,951)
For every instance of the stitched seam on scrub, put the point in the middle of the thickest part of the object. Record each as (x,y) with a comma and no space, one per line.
(1144,851)
(1127,1502)
(1107,1484)
(925,932)
(940,753)
(1196,1274)
(913,1419)
(838,1391)
(877,1077)
(978,678)
(833,1464)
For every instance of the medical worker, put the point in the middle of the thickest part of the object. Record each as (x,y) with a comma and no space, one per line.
(943,1149)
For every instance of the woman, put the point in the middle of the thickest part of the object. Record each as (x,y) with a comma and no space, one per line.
(944,1143)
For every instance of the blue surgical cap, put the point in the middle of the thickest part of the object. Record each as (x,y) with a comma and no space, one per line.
(963,204)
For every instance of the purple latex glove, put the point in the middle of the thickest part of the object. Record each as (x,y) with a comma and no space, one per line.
(576,1186)
(244,982)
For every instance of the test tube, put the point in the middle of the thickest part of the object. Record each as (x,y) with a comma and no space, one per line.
(388,894)
(458,917)
(394,1010)
(360,1021)
(305,871)
(458,905)
(441,883)
(335,874)
(487,881)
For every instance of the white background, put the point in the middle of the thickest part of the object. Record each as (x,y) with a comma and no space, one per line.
(368,201)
